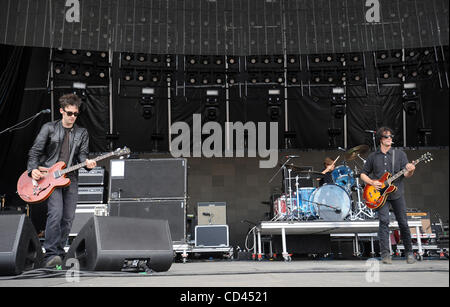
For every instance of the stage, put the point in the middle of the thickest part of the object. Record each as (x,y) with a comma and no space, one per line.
(260,274)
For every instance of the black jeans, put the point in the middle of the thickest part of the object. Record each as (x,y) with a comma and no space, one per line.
(60,214)
(399,207)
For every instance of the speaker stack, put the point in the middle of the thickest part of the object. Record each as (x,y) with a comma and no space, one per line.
(151,189)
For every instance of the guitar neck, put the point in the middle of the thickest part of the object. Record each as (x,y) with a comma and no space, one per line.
(402,172)
(83,164)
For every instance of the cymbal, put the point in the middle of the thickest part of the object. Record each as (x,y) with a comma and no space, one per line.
(353,153)
(312,173)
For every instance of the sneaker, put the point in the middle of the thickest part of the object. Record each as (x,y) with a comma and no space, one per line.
(386,259)
(53,262)
(410,259)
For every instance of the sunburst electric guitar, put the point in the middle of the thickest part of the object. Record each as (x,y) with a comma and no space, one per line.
(35,191)
(377,198)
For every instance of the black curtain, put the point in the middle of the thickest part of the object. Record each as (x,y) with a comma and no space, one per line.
(14,63)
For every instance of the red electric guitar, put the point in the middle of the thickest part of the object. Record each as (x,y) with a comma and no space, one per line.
(377,198)
(36,191)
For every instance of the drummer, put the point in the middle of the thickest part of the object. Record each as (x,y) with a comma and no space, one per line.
(329,165)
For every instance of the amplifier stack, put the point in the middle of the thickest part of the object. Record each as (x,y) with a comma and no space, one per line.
(91,197)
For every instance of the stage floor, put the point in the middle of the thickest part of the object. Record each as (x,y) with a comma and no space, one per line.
(265,273)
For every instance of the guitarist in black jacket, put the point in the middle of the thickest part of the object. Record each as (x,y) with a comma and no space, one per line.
(386,159)
(61,140)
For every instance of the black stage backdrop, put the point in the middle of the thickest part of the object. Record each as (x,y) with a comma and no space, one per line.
(238,181)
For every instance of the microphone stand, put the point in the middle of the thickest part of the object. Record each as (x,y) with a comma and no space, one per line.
(16,126)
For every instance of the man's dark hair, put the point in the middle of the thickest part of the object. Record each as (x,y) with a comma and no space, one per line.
(382,130)
(69,99)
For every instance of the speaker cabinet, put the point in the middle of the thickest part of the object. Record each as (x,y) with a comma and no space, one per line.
(174,211)
(20,249)
(109,243)
(147,179)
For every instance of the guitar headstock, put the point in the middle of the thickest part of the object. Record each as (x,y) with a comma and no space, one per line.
(122,152)
(426,157)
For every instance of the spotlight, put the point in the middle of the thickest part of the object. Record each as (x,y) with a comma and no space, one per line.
(128,56)
(142,57)
(73,70)
(141,75)
(128,75)
(102,73)
(59,68)
(266,60)
(231,60)
(74,52)
(155,59)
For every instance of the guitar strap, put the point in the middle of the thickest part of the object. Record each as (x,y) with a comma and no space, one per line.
(393,160)
(75,140)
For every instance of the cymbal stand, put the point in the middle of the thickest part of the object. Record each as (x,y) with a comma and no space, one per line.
(361,208)
(289,203)
(297,197)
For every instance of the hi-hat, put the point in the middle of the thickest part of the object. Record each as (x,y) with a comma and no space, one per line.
(353,153)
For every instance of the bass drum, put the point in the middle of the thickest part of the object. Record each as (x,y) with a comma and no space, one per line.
(336,200)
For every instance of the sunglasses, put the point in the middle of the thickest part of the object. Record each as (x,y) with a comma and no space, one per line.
(387,136)
(71,113)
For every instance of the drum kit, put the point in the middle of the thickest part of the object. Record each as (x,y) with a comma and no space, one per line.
(336,201)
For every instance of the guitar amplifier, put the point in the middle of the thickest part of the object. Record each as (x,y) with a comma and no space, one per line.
(95,176)
(90,195)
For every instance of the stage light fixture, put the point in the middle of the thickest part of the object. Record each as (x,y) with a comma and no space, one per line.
(102,73)
(231,60)
(73,70)
(266,60)
(127,56)
(128,75)
(155,59)
(266,78)
(142,57)
(74,52)
(87,73)
(192,78)
(103,54)
(141,75)
(59,68)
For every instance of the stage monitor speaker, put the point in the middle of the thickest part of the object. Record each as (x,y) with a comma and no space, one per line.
(147,179)
(117,243)
(20,249)
(174,211)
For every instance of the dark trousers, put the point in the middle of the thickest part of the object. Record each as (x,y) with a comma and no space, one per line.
(60,214)
(399,207)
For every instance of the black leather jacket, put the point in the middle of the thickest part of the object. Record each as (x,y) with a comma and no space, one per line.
(47,145)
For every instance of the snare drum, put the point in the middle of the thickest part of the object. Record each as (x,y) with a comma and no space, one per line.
(332,201)
(343,176)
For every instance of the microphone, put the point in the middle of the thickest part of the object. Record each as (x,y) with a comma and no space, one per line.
(292,156)
(342,149)
(370,131)
(45,111)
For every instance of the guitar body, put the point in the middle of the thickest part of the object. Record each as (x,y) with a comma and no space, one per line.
(374,198)
(32,193)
